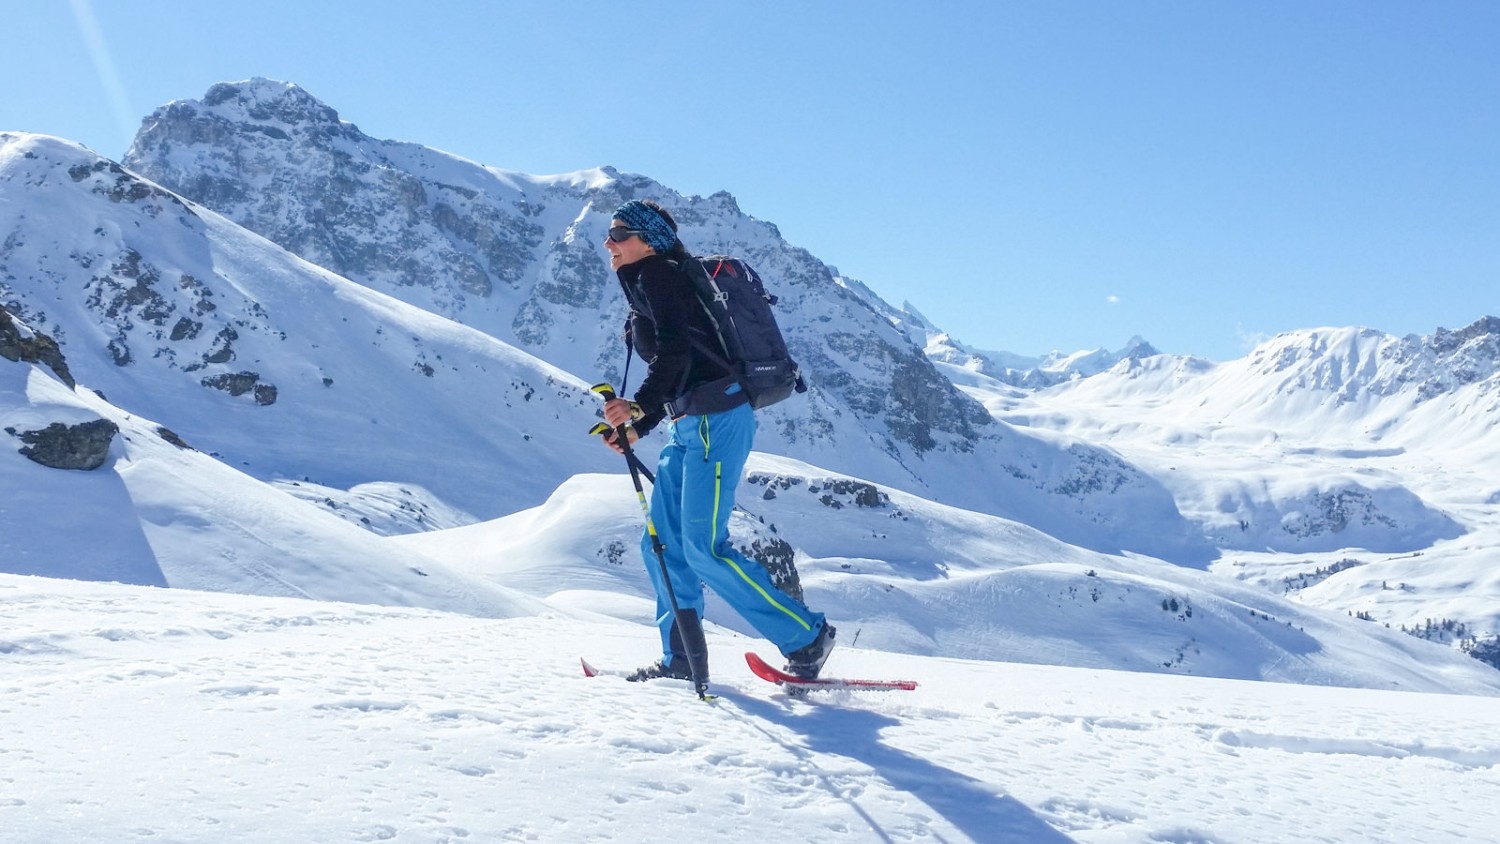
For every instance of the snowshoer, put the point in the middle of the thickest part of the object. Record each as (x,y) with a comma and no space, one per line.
(710,427)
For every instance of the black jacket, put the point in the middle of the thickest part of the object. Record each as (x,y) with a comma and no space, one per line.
(668,326)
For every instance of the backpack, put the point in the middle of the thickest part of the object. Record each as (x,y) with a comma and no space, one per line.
(750,344)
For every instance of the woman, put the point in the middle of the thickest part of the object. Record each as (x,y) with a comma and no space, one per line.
(710,428)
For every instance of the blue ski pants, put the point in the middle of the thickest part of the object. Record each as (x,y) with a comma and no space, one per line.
(696,477)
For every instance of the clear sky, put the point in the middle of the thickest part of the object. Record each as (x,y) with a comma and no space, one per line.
(1031,176)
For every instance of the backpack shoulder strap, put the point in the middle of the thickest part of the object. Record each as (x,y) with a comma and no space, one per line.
(700,283)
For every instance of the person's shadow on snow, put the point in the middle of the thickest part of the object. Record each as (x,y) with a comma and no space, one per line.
(981,811)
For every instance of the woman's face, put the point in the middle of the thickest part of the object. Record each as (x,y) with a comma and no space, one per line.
(625,252)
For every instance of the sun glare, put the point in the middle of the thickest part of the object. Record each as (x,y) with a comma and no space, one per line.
(104,66)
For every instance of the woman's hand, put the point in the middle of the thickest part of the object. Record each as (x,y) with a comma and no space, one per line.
(619,412)
(612,438)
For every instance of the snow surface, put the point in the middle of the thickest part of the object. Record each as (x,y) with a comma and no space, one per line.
(140,714)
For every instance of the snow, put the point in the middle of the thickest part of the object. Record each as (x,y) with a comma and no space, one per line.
(140,714)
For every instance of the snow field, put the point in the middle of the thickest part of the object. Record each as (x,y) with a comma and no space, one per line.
(138,714)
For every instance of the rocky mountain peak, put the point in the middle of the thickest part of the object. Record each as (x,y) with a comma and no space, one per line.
(1351,362)
(1449,360)
(260,100)
(1482,337)
(1137,348)
(272,112)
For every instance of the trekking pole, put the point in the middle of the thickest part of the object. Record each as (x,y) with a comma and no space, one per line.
(696,647)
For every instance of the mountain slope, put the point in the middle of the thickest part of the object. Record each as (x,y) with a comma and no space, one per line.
(960,361)
(281,367)
(154,511)
(1356,424)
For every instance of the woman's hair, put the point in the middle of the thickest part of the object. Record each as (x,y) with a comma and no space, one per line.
(678,250)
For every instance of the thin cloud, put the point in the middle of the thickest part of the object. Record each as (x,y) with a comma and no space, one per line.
(1248,340)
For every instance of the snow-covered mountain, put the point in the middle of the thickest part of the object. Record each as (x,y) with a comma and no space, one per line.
(1290,456)
(962,362)
(519,257)
(284,369)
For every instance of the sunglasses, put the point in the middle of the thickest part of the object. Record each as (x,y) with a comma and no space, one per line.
(620,234)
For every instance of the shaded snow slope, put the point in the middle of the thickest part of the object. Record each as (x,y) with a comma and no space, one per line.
(157,512)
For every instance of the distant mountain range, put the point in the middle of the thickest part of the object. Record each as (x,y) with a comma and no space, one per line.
(369,337)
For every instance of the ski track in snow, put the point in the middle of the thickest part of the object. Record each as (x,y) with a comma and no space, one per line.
(138,714)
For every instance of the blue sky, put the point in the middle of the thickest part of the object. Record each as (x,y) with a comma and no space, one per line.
(1031,176)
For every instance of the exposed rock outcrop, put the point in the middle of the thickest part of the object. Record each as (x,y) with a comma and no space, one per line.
(84,445)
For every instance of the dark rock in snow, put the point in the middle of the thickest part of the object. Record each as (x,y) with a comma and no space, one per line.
(59,446)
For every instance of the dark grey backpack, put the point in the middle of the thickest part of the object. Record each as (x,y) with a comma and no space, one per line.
(750,343)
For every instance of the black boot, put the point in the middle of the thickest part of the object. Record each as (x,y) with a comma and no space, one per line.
(677,669)
(807,662)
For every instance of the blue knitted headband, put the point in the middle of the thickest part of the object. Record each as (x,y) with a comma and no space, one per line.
(654,228)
